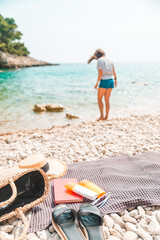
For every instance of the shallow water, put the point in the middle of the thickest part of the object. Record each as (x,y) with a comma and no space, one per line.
(72,85)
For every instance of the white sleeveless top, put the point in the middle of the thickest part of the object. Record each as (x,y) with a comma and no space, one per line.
(107,66)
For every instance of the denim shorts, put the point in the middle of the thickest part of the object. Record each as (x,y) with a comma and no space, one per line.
(108,83)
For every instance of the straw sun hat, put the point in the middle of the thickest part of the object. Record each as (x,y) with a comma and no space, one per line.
(53,168)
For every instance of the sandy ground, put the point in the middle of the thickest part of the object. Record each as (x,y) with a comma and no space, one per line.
(87,142)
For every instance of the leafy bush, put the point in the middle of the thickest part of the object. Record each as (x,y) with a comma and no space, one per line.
(9,36)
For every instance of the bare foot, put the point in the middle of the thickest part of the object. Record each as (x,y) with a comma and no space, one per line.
(100,118)
(105,118)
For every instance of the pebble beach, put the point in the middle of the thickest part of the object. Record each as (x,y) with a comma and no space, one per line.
(89,141)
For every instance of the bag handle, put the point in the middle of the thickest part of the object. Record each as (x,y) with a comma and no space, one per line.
(20,213)
(14,194)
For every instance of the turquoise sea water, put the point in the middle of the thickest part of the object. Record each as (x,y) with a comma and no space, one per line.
(73,86)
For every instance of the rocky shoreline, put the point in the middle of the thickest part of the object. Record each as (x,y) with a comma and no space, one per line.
(8,61)
(89,141)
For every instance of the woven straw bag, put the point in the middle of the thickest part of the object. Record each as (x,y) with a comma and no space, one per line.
(20,190)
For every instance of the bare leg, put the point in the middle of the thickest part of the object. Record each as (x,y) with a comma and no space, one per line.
(101,93)
(107,96)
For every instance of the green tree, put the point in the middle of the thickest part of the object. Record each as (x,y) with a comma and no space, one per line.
(10,36)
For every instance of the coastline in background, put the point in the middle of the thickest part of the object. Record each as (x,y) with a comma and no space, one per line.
(72,85)
(9,61)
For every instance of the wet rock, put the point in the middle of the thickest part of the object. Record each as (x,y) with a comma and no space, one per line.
(39,108)
(54,108)
(71,116)
(140,83)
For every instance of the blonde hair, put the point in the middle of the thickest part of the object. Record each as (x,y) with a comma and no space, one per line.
(98,53)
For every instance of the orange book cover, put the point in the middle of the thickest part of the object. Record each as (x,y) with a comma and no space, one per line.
(62,194)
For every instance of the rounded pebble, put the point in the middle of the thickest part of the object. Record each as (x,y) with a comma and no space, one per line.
(130,236)
(108,221)
(106,232)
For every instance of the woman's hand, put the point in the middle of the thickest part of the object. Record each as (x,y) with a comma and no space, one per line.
(96,85)
(100,74)
(115,82)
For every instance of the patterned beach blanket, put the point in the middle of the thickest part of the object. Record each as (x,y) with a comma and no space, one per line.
(132,181)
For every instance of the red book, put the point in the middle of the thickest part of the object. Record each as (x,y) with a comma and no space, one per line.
(62,194)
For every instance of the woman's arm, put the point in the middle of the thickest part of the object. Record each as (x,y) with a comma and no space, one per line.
(115,77)
(100,74)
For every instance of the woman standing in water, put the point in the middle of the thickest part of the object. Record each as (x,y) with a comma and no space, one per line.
(107,78)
